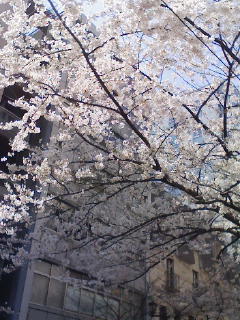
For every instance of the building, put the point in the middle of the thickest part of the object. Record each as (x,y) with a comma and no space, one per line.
(191,285)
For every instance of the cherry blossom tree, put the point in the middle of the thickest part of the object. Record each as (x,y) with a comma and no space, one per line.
(144,148)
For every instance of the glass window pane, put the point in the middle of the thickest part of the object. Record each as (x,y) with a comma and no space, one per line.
(72,298)
(78,275)
(113,309)
(86,301)
(39,289)
(56,293)
(163,313)
(56,270)
(43,266)
(101,303)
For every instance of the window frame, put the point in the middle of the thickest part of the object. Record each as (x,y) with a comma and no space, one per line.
(122,299)
(195,279)
(170,274)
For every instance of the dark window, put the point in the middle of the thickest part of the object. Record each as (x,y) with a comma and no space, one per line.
(72,299)
(163,313)
(195,279)
(46,288)
(40,289)
(56,292)
(170,274)
(100,306)
(113,309)
(87,301)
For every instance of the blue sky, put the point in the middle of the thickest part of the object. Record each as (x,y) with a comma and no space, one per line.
(89,9)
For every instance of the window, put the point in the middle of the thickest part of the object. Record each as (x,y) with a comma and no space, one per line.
(47,289)
(195,279)
(113,309)
(87,301)
(50,291)
(72,299)
(101,305)
(40,285)
(170,274)
(43,267)
(163,313)
(56,292)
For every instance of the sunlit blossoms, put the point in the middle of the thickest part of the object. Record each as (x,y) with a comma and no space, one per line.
(130,128)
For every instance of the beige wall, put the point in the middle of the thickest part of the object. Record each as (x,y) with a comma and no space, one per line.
(3,7)
(182,269)
(184,275)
